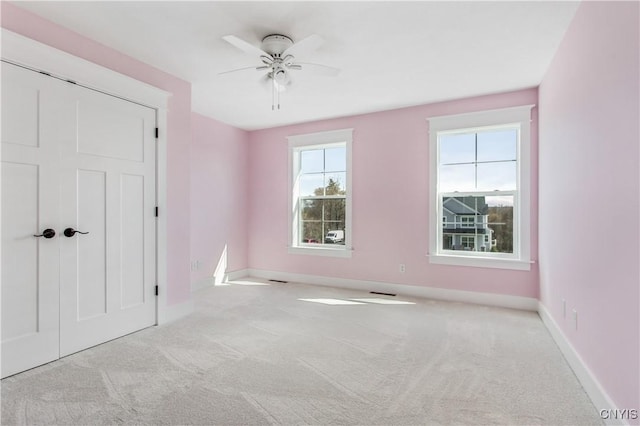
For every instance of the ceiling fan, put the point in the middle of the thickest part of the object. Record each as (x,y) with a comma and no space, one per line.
(277,55)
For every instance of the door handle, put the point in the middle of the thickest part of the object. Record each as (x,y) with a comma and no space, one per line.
(47,233)
(70,232)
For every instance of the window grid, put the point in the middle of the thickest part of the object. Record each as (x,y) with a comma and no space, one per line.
(476,162)
(324,224)
(314,159)
(447,241)
(510,205)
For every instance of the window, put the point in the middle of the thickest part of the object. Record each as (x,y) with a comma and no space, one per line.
(467,221)
(320,191)
(468,243)
(480,184)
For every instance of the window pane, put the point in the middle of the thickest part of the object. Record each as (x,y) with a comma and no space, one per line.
(501,223)
(457,178)
(312,161)
(459,148)
(312,210)
(334,210)
(335,183)
(497,145)
(312,184)
(500,176)
(467,225)
(312,233)
(323,221)
(447,242)
(335,159)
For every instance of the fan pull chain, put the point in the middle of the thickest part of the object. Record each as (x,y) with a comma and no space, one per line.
(275,95)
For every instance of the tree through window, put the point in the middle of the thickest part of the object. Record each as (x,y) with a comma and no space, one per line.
(320,190)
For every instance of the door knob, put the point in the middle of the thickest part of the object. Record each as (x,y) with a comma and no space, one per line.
(47,233)
(70,232)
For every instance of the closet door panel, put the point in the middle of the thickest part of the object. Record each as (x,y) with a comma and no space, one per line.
(30,187)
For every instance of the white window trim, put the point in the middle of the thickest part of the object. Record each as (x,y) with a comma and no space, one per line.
(522,218)
(320,140)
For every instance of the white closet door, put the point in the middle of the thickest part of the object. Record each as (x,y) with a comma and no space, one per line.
(107,277)
(30,184)
(73,158)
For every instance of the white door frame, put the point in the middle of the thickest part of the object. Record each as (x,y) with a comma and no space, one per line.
(31,54)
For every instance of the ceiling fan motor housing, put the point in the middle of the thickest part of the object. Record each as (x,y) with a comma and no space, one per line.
(275,44)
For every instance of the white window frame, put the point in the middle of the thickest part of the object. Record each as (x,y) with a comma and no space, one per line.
(521,258)
(321,140)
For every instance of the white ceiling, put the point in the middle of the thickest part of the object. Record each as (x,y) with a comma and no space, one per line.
(392,54)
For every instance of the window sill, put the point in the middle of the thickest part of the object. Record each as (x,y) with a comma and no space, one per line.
(341,251)
(480,262)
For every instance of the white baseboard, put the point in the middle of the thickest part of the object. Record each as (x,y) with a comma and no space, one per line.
(234,275)
(211,281)
(500,300)
(199,285)
(592,387)
(175,312)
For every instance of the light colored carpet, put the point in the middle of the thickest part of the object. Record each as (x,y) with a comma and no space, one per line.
(256,354)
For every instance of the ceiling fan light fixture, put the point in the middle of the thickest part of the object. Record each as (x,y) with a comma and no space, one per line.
(280,76)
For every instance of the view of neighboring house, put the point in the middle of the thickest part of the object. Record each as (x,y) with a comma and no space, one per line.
(465,223)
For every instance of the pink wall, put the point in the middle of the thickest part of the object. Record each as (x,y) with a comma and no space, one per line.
(178,132)
(588,177)
(390,202)
(589,192)
(219,196)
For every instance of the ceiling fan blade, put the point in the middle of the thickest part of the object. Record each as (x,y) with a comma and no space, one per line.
(243,69)
(320,69)
(246,47)
(308,44)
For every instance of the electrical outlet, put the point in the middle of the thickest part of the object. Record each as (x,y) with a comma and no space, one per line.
(402,268)
(564,308)
(575,319)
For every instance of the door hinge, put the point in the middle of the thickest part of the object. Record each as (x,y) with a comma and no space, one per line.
(156,211)
(156,290)
(156,133)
